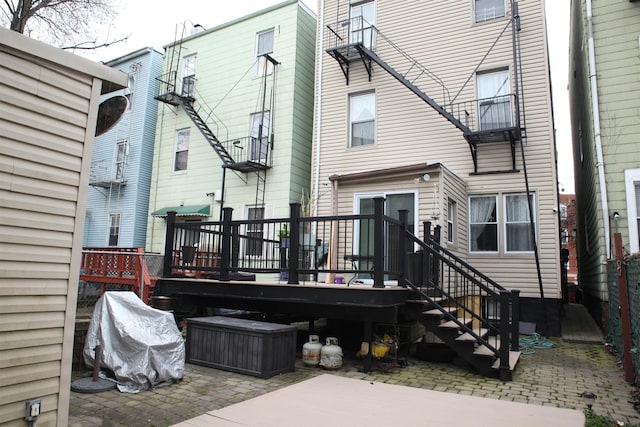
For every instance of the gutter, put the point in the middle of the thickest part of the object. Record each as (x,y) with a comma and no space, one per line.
(316,180)
(596,129)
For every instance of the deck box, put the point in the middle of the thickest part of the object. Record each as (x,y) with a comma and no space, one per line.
(249,347)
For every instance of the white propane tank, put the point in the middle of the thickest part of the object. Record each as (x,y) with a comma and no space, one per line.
(331,354)
(311,351)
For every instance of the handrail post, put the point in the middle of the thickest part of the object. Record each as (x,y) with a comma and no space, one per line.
(436,260)
(426,255)
(168,243)
(505,368)
(402,251)
(226,243)
(515,320)
(294,243)
(378,242)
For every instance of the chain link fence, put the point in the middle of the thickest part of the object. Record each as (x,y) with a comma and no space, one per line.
(632,267)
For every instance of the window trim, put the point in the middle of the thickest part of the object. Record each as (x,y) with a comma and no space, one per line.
(528,222)
(263,63)
(351,96)
(175,150)
(117,227)
(475,13)
(497,208)
(631,178)
(452,221)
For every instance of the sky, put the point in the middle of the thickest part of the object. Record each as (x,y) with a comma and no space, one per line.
(155,22)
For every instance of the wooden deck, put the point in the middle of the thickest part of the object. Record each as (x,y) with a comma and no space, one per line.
(310,299)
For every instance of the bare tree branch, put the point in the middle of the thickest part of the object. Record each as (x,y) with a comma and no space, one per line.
(70,24)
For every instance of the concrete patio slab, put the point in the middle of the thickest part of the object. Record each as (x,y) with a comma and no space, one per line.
(339,401)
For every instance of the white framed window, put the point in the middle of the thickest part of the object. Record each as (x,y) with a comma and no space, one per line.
(255,233)
(114,229)
(128,92)
(120,161)
(264,45)
(632,188)
(181,152)
(452,213)
(494,99)
(486,10)
(483,224)
(363,17)
(362,119)
(189,74)
(517,223)
(563,211)
(259,136)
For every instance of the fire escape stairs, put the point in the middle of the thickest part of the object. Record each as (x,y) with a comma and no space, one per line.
(458,329)
(345,50)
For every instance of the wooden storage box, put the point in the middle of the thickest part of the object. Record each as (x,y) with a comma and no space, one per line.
(245,346)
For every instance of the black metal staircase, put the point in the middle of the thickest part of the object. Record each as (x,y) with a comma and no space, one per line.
(353,40)
(470,313)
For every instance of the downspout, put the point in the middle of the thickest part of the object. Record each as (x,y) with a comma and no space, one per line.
(316,180)
(596,130)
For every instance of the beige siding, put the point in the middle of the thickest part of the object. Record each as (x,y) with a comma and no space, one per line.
(443,37)
(47,122)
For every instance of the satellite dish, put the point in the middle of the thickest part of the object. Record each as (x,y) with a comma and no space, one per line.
(110,112)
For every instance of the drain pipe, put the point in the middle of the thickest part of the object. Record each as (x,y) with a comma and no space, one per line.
(596,130)
(316,180)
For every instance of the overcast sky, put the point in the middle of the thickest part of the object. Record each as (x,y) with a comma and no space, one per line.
(154,23)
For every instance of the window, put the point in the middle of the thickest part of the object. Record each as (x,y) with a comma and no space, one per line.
(563,211)
(181,151)
(632,185)
(128,92)
(254,232)
(189,75)
(264,45)
(483,224)
(362,119)
(494,100)
(517,223)
(362,19)
(486,10)
(259,136)
(451,221)
(122,150)
(114,229)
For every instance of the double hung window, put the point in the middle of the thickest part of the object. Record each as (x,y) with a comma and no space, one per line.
(494,100)
(181,153)
(486,10)
(362,119)
(264,45)
(255,231)
(259,136)
(189,75)
(114,229)
(362,20)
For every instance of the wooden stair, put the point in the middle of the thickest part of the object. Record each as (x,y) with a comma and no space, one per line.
(458,332)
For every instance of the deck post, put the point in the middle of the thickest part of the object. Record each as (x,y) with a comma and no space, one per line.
(505,368)
(294,243)
(515,320)
(226,243)
(378,242)
(402,246)
(168,244)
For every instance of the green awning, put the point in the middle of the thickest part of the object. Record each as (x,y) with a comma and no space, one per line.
(193,210)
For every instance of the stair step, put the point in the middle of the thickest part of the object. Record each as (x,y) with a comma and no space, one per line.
(513,360)
(483,350)
(453,325)
(438,312)
(468,337)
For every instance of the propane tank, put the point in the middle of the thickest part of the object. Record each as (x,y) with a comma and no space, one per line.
(311,351)
(331,354)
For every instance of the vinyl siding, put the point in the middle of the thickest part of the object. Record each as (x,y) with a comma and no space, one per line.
(137,126)
(233,91)
(616,26)
(443,37)
(46,128)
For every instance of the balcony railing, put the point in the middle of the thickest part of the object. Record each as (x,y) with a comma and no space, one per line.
(485,114)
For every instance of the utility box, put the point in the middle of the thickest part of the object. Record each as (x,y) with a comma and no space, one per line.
(245,346)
